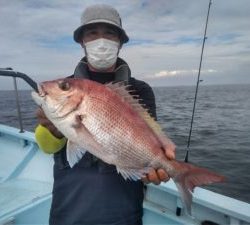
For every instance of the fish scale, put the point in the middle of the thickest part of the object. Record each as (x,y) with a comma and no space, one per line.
(114,146)
(107,119)
(109,123)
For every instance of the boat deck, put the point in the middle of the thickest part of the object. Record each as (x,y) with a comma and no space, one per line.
(19,193)
(26,183)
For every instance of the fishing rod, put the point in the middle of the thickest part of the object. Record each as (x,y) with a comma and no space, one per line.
(198,82)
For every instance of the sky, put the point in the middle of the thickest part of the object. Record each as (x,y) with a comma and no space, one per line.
(36,38)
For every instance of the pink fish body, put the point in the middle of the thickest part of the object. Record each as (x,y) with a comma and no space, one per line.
(109,123)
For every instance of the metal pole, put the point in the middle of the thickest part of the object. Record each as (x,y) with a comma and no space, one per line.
(197,84)
(8,72)
(18,107)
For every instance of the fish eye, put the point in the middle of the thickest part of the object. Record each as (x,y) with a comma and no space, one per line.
(64,85)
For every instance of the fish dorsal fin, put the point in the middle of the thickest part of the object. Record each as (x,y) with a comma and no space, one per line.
(122,91)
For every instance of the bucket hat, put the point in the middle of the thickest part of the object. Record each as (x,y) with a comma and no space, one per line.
(100,13)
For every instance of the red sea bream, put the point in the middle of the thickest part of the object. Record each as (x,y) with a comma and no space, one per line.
(109,123)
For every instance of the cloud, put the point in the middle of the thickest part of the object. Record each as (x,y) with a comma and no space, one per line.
(165,73)
(174,73)
(165,39)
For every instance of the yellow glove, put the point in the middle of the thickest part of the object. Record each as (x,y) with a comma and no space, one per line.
(47,142)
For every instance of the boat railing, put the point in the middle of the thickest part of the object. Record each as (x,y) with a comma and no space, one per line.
(9,72)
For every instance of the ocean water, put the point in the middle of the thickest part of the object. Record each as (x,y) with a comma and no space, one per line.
(221,131)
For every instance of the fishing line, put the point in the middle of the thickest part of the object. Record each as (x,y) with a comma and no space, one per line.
(198,82)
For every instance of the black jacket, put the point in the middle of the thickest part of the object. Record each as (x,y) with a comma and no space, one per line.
(92,192)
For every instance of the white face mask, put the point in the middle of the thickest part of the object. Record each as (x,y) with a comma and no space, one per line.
(102,53)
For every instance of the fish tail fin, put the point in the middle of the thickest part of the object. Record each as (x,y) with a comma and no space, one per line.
(188,177)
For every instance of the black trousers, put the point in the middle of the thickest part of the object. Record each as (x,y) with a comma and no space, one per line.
(93,193)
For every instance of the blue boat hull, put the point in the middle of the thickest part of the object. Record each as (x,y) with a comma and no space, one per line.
(26,182)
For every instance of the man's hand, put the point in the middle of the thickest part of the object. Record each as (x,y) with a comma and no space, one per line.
(43,120)
(157,176)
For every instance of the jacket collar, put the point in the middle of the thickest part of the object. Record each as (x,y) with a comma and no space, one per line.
(122,70)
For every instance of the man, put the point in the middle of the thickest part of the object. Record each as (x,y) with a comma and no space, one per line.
(92,192)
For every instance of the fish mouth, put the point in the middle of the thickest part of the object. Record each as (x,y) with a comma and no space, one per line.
(41,91)
(39,97)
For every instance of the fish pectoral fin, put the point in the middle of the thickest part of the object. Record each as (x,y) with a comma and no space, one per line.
(133,174)
(74,153)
